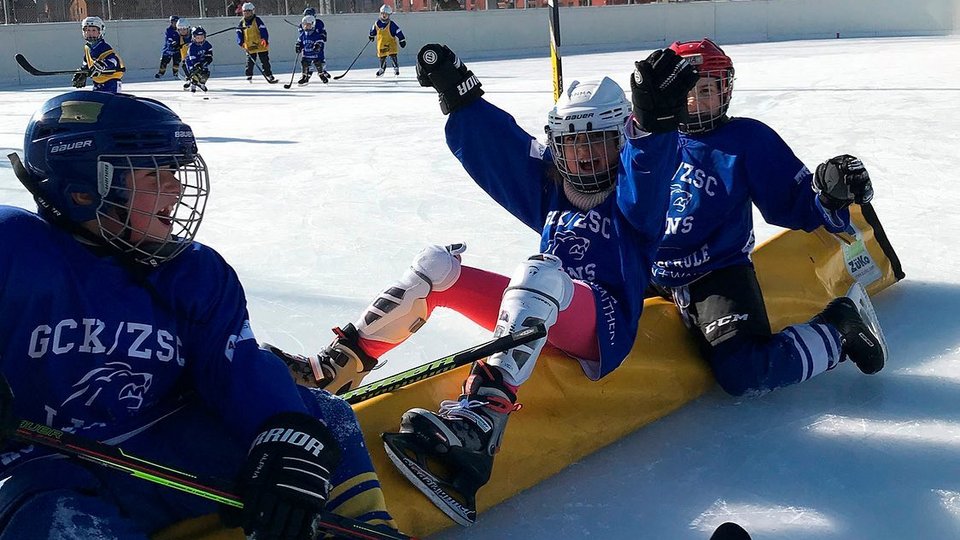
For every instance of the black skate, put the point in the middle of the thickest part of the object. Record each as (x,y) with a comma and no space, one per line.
(324,77)
(861,338)
(396,72)
(338,368)
(186,86)
(158,74)
(176,73)
(193,89)
(304,79)
(448,455)
(202,86)
(272,80)
(380,72)
(250,78)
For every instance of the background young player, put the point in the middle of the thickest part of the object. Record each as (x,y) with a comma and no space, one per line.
(253,38)
(723,166)
(387,34)
(198,60)
(310,43)
(172,41)
(100,61)
(116,325)
(599,234)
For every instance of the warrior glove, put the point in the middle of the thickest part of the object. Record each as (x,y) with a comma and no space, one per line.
(298,48)
(286,480)
(80,78)
(842,180)
(659,87)
(439,67)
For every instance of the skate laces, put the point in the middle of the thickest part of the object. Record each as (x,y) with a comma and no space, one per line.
(463,409)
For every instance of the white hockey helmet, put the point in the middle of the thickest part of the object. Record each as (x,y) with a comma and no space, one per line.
(183,24)
(386,10)
(248,6)
(94,22)
(308,20)
(597,109)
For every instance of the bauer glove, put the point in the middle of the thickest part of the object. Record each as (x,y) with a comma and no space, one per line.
(439,67)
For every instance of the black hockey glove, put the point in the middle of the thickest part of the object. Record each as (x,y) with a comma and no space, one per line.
(403,43)
(298,48)
(317,45)
(371,38)
(842,180)
(80,78)
(659,87)
(439,67)
(286,480)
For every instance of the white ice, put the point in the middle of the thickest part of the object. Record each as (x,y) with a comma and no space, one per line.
(323,194)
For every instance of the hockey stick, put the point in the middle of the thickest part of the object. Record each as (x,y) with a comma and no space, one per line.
(338,77)
(260,69)
(441,365)
(113,457)
(39,72)
(555,60)
(294,74)
(222,31)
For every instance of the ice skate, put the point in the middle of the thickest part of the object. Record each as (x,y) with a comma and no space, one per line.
(396,72)
(175,72)
(380,72)
(158,74)
(324,77)
(861,338)
(271,79)
(186,86)
(448,455)
(338,368)
(304,79)
(250,78)
(202,86)
(193,89)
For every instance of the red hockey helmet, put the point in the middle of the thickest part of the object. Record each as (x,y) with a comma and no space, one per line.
(713,63)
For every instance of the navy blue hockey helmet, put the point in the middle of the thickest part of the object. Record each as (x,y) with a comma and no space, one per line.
(174,18)
(310,11)
(81,150)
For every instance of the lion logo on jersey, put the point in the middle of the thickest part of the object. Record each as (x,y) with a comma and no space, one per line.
(568,241)
(113,379)
(680,197)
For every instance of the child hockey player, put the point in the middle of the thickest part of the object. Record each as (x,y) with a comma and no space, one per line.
(253,38)
(198,60)
(599,233)
(172,42)
(723,167)
(387,34)
(310,43)
(100,61)
(116,325)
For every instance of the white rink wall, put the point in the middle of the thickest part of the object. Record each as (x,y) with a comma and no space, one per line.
(503,33)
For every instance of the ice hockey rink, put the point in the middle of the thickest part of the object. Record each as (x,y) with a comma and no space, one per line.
(321,195)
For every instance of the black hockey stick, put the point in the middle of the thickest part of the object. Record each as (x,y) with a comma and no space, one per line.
(338,77)
(113,457)
(441,365)
(39,72)
(222,31)
(294,74)
(254,60)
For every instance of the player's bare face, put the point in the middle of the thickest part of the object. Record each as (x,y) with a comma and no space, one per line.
(91,33)
(199,39)
(590,153)
(384,17)
(705,97)
(154,197)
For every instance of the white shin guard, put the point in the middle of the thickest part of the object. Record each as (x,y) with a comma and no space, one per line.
(538,291)
(401,309)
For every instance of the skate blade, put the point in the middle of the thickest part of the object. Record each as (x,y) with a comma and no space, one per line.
(439,491)
(859,296)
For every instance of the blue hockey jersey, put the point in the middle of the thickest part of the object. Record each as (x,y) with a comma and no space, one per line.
(718,174)
(609,247)
(88,346)
(172,41)
(198,54)
(313,41)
